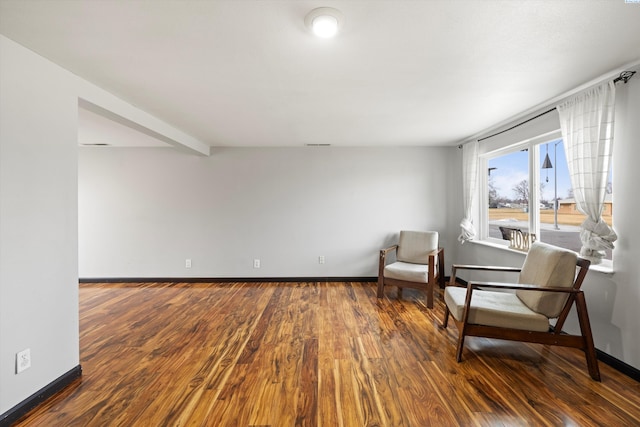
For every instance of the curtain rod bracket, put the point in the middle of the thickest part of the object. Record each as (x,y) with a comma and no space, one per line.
(624,76)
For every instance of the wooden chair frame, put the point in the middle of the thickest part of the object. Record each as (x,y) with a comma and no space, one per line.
(434,256)
(554,336)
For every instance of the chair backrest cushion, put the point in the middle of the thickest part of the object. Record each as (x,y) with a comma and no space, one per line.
(547,265)
(414,246)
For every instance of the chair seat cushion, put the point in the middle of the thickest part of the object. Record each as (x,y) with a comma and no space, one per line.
(501,309)
(407,271)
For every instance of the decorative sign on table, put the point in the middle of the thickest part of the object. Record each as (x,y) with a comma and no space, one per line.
(521,241)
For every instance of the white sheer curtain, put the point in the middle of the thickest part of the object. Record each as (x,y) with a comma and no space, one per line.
(587,129)
(469,184)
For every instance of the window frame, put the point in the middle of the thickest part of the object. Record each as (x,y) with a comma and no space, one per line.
(533,146)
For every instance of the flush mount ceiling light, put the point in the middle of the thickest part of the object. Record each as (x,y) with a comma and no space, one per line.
(324,21)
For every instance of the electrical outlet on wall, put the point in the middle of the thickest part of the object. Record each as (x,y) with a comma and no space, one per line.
(23,360)
(256,263)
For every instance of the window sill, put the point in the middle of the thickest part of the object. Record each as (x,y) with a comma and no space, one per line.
(606,267)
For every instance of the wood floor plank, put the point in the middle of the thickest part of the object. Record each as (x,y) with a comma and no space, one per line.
(312,354)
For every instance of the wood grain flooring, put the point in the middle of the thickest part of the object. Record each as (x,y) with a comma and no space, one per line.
(313,354)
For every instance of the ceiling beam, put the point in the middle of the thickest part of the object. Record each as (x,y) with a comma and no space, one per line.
(99,101)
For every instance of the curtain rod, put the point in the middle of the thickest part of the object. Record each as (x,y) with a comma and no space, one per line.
(517,125)
(624,77)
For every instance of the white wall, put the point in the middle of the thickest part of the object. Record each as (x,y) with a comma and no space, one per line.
(617,297)
(612,299)
(38,222)
(144,211)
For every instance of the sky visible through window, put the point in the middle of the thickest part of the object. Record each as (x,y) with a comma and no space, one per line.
(514,168)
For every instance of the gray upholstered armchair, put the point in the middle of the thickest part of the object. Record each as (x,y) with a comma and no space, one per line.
(419,263)
(546,289)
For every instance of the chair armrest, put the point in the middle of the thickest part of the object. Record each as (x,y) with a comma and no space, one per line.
(486,268)
(389,249)
(522,286)
(455,267)
(383,258)
(436,252)
(437,255)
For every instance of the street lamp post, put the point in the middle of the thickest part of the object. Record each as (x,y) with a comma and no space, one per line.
(555,187)
(547,165)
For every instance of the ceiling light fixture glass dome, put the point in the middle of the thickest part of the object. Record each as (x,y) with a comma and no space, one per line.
(325,26)
(324,21)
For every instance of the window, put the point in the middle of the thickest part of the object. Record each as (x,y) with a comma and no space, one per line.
(508,193)
(528,189)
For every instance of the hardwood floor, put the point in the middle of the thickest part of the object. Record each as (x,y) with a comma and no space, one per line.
(313,354)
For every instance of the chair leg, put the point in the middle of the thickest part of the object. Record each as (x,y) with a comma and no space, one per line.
(380,287)
(445,320)
(399,292)
(460,347)
(431,279)
(462,326)
(430,293)
(441,269)
(585,329)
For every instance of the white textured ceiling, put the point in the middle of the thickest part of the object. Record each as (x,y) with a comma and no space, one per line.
(248,73)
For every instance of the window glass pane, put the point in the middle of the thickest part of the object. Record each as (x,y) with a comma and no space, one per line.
(560,221)
(508,193)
